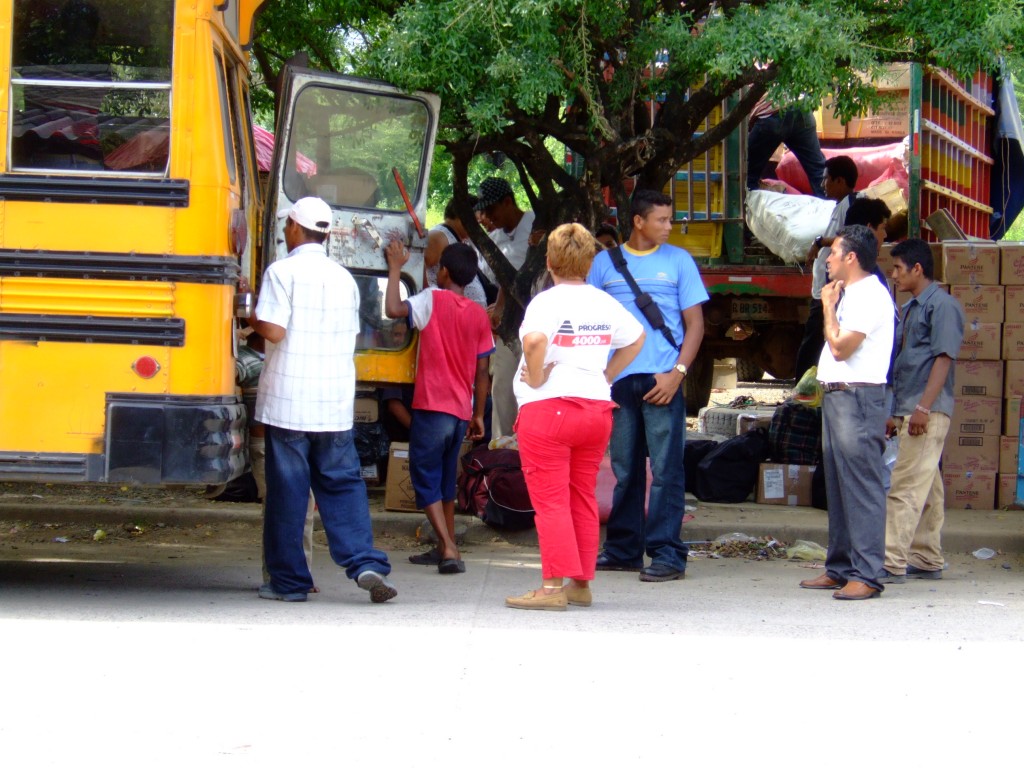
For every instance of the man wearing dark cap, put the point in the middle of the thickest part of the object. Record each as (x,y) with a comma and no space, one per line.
(513,233)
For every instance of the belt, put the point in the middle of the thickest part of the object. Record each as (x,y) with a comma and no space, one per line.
(842,386)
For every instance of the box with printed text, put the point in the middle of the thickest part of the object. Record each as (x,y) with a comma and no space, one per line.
(967,262)
(1006,493)
(982,341)
(969,490)
(1012,267)
(398,493)
(981,303)
(976,416)
(786,484)
(978,378)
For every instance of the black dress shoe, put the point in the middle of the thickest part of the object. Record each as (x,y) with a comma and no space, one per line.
(605,563)
(659,572)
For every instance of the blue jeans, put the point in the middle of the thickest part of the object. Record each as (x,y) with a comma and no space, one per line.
(640,430)
(798,131)
(435,440)
(327,463)
(853,438)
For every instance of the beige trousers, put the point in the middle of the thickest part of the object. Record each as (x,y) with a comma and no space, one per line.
(504,407)
(915,507)
(258,460)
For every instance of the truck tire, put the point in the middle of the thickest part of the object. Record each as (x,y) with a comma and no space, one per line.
(697,388)
(748,370)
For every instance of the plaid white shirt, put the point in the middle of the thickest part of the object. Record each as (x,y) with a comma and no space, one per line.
(309,378)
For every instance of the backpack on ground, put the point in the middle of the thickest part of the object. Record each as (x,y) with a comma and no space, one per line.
(492,487)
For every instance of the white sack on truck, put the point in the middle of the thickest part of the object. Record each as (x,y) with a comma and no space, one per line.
(787,224)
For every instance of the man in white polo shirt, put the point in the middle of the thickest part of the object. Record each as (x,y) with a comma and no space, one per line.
(308,313)
(859,322)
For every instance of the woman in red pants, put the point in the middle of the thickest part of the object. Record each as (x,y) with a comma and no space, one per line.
(576,339)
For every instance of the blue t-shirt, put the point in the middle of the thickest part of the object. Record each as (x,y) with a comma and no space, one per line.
(669,274)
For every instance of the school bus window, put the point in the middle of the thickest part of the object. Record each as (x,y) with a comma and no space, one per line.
(225,111)
(243,127)
(344,144)
(91,86)
(377,330)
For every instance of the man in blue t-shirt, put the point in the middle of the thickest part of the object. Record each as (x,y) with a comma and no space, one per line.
(651,417)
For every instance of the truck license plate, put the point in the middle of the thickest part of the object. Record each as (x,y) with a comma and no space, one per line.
(751,309)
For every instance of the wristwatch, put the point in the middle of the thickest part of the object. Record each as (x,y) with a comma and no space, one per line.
(818,241)
(681,368)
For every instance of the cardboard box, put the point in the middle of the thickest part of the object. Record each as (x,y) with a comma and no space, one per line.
(1013,341)
(982,341)
(370,474)
(785,484)
(1011,416)
(398,493)
(1012,266)
(971,453)
(1014,303)
(1008,454)
(753,420)
(890,119)
(829,126)
(976,416)
(885,260)
(367,410)
(1006,493)
(970,490)
(981,303)
(978,378)
(1013,378)
(966,262)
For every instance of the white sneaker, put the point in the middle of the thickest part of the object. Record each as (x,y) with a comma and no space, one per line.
(381,590)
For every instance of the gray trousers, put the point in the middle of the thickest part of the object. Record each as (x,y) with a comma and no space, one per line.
(853,434)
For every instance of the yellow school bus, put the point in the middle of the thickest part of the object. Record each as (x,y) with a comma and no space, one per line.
(129,206)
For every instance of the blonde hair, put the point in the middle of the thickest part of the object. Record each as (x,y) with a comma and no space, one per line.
(571,250)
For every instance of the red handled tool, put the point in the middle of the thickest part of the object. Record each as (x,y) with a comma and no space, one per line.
(408,203)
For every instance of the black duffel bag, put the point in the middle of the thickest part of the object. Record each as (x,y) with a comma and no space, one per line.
(728,472)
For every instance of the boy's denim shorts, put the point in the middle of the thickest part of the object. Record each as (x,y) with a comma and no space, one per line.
(434,442)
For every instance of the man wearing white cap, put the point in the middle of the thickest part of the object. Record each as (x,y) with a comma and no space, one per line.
(308,311)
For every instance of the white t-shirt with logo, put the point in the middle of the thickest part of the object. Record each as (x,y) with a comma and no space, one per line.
(583,325)
(866,307)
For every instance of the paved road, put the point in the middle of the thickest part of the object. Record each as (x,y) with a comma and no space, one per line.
(157,652)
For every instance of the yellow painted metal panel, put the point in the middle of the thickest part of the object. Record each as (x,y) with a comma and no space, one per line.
(102,298)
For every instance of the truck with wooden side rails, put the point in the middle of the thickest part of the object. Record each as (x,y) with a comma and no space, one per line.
(958,159)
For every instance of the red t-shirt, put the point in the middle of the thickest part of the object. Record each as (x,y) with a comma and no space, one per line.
(454,334)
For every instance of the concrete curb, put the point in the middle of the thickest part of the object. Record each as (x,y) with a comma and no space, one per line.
(964,531)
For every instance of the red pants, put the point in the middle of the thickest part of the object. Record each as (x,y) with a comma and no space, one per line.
(561,444)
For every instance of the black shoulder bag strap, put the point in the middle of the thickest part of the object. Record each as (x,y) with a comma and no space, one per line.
(644,302)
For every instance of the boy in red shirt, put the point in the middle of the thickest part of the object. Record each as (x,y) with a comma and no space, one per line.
(451,383)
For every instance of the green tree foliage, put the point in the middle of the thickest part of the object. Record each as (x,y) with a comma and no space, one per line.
(627,85)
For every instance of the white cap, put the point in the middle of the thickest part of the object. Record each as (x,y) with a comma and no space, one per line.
(311,213)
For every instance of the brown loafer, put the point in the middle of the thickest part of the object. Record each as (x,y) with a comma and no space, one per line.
(579,596)
(821,582)
(536,600)
(856,590)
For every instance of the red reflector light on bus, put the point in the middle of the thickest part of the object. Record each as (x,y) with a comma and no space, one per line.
(146,367)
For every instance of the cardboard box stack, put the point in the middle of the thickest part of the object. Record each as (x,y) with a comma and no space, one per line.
(1012,353)
(971,457)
